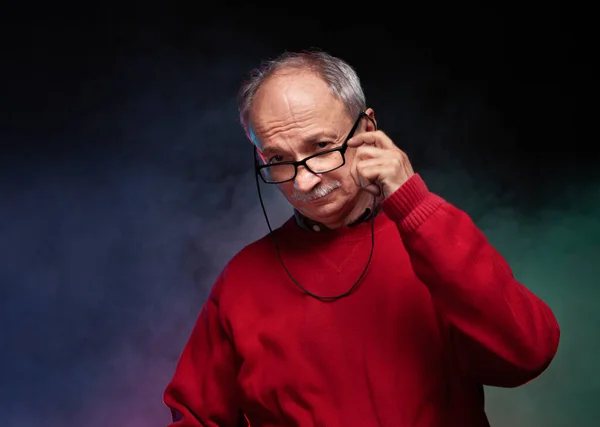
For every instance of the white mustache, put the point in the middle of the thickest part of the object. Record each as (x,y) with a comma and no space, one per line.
(317,193)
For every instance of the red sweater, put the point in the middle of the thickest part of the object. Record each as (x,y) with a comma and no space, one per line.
(437,315)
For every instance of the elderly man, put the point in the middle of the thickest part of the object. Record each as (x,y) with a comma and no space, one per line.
(377,303)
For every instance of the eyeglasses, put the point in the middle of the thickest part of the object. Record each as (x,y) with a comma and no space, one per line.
(323,162)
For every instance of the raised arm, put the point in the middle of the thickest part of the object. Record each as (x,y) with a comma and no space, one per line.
(503,334)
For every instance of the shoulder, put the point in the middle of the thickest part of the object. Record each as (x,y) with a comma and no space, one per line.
(251,258)
(248,266)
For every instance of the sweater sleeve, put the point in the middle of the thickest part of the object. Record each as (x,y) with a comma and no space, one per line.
(202,391)
(503,335)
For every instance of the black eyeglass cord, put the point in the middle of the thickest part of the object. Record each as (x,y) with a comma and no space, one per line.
(319,297)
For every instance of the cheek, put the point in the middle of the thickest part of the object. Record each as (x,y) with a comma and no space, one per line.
(287,188)
(350,154)
(343,175)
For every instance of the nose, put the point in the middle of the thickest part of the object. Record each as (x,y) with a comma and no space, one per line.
(306,180)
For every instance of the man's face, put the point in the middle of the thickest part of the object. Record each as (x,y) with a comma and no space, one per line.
(294,116)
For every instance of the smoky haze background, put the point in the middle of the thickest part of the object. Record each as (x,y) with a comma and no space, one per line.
(126,184)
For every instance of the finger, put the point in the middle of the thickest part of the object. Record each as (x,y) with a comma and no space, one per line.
(371,152)
(383,157)
(362,139)
(370,187)
(370,168)
(377,138)
(368,172)
(374,189)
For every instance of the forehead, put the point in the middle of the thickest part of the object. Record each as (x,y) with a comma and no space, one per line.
(295,103)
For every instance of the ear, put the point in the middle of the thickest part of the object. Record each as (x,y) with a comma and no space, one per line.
(370,126)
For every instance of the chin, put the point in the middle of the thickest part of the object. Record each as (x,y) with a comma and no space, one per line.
(322,210)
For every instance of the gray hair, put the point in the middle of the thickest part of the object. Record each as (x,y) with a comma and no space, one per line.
(341,78)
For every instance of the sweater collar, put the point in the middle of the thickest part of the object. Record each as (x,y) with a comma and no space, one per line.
(310,225)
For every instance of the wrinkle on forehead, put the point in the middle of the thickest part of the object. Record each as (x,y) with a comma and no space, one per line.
(291,107)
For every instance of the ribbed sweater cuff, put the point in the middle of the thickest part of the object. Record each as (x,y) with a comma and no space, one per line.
(411,204)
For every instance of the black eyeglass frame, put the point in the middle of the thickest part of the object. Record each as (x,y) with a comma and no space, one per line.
(342,149)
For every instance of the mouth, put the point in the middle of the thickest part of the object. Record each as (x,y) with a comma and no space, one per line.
(319,197)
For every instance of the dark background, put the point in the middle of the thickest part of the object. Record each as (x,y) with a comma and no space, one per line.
(126,180)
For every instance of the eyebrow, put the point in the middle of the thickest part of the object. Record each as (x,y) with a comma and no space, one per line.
(311,139)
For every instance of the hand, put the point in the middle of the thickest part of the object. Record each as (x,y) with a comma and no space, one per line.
(378,164)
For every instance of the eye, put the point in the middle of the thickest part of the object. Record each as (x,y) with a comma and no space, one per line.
(322,144)
(276,159)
